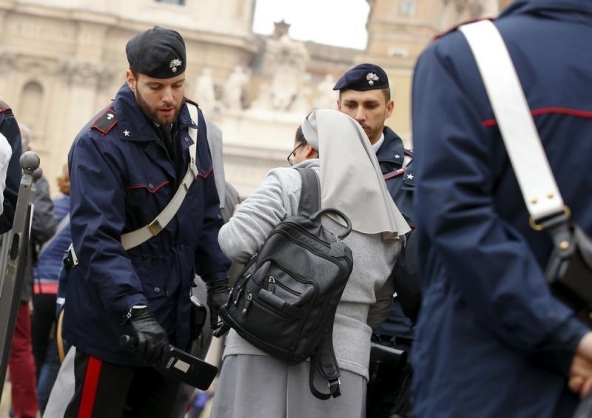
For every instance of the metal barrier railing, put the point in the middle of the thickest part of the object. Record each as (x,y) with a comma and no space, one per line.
(13,258)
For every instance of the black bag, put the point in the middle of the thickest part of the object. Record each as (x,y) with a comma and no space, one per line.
(388,360)
(285,299)
(569,270)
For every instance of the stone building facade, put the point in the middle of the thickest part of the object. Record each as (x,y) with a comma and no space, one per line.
(61,61)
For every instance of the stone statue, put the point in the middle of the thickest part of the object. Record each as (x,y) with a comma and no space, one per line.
(326,96)
(234,87)
(285,61)
(263,101)
(301,103)
(204,91)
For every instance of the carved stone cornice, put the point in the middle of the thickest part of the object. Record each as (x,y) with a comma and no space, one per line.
(26,28)
(29,65)
(82,73)
(37,66)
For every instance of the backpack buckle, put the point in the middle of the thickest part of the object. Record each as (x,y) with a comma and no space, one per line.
(333,383)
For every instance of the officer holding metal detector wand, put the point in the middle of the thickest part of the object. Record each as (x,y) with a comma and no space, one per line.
(145,219)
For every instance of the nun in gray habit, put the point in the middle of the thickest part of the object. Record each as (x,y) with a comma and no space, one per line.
(253,384)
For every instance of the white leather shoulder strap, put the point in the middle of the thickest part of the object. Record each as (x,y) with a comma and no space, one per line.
(511,110)
(141,235)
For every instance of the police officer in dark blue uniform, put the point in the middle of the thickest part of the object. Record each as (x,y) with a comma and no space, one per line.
(125,166)
(491,340)
(364,94)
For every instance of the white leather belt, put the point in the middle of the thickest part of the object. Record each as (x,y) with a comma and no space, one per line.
(536,180)
(143,234)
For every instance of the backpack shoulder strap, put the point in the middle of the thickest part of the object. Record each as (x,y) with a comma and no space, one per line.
(325,362)
(310,202)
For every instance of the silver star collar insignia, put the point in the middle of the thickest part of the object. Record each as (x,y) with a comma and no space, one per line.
(410,176)
(126,132)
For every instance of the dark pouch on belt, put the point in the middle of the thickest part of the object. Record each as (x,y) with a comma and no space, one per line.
(385,361)
(569,271)
(200,314)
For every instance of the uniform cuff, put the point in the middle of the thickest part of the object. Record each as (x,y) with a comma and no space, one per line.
(558,355)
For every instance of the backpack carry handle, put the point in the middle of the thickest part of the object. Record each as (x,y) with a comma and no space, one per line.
(340,214)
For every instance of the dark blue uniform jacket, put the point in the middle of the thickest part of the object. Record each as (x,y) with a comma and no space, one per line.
(121,179)
(401,184)
(491,340)
(402,181)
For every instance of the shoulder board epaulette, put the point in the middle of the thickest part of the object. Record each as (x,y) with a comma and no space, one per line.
(105,122)
(191,101)
(455,27)
(4,107)
(394,173)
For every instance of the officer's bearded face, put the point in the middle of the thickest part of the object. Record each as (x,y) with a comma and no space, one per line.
(159,98)
(370,108)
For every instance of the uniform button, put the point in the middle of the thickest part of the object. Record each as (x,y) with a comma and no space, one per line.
(186,139)
(151,186)
(157,290)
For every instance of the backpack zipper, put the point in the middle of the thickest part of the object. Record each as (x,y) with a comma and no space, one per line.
(247,303)
(273,282)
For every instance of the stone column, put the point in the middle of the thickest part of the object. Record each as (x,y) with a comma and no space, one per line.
(7,63)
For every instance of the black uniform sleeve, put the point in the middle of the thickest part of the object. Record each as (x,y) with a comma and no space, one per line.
(10,129)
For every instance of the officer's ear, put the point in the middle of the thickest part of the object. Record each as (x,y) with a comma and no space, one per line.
(131,80)
(390,106)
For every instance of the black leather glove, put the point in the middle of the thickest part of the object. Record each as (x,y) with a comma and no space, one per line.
(151,339)
(218,291)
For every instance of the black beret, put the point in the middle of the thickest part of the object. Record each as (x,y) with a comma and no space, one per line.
(363,77)
(157,52)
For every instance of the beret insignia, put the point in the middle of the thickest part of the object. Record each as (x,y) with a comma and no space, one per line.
(174,64)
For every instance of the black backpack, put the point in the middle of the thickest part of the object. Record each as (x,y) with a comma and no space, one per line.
(285,299)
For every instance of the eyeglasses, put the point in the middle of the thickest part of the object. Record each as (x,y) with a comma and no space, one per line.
(293,154)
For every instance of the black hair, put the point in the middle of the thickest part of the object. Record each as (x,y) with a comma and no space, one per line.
(300,139)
